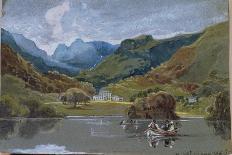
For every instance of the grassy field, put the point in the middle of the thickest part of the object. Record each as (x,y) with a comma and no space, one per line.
(198,109)
(92,109)
(108,108)
(15,87)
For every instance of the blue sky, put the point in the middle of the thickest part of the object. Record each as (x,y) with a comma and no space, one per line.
(50,22)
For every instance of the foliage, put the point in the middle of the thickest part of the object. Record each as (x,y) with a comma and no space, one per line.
(53,82)
(37,109)
(159,105)
(75,96)
(134,57)
(48,111)
(211,59)
(210,87)
(14,86)
(63,98)
(93,108)
(197,109)
(144,93)
(132,112)
(131,87)
(10,107)
(220,109)
(205,63)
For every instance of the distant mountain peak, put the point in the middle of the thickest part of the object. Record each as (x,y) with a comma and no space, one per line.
(29,45)
(138,42)
(30,52)
(83,54)
(144,37)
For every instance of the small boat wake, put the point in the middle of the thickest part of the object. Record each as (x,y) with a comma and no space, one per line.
(161,133)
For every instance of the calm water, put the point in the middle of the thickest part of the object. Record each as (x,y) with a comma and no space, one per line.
(105,135)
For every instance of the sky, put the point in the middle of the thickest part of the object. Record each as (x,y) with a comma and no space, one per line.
(51,22)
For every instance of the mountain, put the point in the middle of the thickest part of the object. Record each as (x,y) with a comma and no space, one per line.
(28,46)
(30,52)
(204,64)
(82,54)
(67,60)
(103,48)
(53,82)
(205,59)
(135,57)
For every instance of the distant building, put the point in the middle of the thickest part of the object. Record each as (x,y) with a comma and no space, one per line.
(117,98)
(192,99)
(106,96)
(179,98)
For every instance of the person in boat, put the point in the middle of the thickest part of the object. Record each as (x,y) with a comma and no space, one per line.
(132,121)
(171,126)
(153,125)
(168,126)
(165,125)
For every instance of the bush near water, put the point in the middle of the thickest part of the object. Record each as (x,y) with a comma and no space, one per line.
(159,105)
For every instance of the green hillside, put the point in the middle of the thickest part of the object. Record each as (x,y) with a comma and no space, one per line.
(13,86)
(13,64)
(202,64)
(212,56)
(135,57)
(38,62)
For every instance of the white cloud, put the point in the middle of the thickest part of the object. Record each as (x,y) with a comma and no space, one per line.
(49,23)
(54,16)
(84,5)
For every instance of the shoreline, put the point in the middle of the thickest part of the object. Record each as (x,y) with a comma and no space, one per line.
(91,116)
(121,116)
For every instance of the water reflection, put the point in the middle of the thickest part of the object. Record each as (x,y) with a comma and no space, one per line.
(137,128)
(221,128)
(134,128)
(25,128)
(43,149)
(165,141)
(7,128)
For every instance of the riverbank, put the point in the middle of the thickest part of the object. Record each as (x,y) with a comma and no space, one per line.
(101,108)
(104,108)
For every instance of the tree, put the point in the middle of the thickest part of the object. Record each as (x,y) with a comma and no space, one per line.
(63,98)
(220,109)
(37,109)
(33,106)
(7,106)
(76,96)
(163,105)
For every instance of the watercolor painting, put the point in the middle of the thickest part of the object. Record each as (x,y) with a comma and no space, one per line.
(116,77)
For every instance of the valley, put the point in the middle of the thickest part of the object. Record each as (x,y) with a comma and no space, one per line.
(191,65)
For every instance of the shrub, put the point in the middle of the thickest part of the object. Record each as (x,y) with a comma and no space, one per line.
(37,109)
(47,111)
(9,107)
(33,106)
(220,109)
(159,105)
(76,96)
(144,93)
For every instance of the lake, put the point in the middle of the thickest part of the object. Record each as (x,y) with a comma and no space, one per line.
(106,135)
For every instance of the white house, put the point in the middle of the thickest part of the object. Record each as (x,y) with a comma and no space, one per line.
(117,98)
(102,96)
(106,96)
(192,99)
